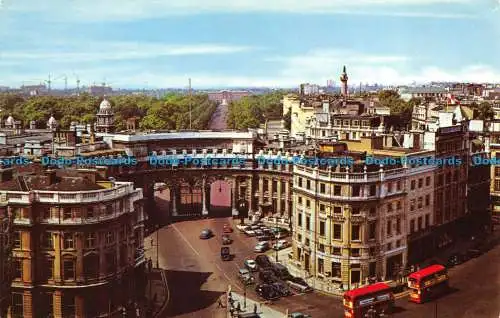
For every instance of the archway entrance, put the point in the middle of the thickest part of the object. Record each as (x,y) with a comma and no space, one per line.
(220,199)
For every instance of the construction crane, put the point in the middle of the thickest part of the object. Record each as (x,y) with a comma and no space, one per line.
(50,81)
(77,84)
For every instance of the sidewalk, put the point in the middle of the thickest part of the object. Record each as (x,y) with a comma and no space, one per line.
(263,310)
(157,293)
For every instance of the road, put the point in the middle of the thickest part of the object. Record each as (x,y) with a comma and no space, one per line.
(218,120)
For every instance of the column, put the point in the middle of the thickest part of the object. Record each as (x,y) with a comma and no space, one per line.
(261,193)
(288,194)
(250,199)
(173,200)
(278,198)
(204,210)
(234,197)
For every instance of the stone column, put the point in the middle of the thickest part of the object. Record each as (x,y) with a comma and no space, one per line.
(250,199)
(261,193)
(204,210)
(173,200)
(234,197)
(288,194)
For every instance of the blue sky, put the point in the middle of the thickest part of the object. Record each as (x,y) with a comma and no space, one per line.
(223,43)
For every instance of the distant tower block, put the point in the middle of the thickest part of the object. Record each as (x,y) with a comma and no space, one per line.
(343,79)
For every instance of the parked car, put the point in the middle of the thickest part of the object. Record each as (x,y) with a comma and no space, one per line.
(251,265)
(473,253)
(241,227)
(281,244)
(282,289)
(248,315)
(261,247)
(245,276)
(259,232)
(249,232)
(263,262)
(265,237)
(299,284)
(227,228)
(267,292)
(281,271)
(299,315)
(206,234)
(226,239)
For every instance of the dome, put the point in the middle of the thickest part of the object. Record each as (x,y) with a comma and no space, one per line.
(105,104)
(52,121)
(10,120)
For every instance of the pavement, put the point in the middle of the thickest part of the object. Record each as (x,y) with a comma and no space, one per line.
(259,307)
(157,292)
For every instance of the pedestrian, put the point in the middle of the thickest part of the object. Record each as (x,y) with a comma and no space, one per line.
(254,308)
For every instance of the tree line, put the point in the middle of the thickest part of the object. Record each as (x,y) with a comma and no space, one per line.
(170,112)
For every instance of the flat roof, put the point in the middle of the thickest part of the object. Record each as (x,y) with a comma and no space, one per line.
(183,135)
(367,290)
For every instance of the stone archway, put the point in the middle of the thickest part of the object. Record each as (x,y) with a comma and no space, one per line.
(220,198)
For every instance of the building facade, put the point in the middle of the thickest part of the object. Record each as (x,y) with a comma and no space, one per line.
(5,256)
(77,244)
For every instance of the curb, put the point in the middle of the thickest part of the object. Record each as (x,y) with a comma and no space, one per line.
(167,296)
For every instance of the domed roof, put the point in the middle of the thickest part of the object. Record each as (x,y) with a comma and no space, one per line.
(52,120)
(10,120)
(105,104)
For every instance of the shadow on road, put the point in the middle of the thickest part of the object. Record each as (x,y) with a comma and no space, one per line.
(185,294)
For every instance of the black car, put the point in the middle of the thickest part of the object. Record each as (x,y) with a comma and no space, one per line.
(281,271)
(299,284)
(265,237)
(282,289)
(263,261)
(456,259)
(266,291)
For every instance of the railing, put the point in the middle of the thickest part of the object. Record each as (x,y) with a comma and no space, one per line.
(351,176)
(120,189)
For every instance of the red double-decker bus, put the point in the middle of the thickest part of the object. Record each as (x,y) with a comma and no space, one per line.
(377,297)
(427,283)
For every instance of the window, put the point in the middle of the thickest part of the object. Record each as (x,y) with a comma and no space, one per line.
(90,212)
(68,305)
(110,262)
(322,228)
(427,199)
(420,202)
(69,241)
(337,210)
(308,184)
(412,226)
(322,208)
(322,188)
(18,269)
(420,183)
(440,180)
(420,223)
(321,265)
(91,266)
(372,230)
(398,243)
(427,220)
(336,251)
(336,269)
(389,228)
(90,240)
(299,200)
(337,190)
(48,268)
(356,190)
(355,252)
(389,207)
(427,181)
(389,187)
(308,242)
(412,204)
(110,237)
(389,246)
(372,267)
(308,204)
(47,303)
(109,209)
(412,185)
(398,205)
(299,219)
(67,213)
(17,239)
(398,226)
(337,231)
(308,223)
(299,182)
(398,185)
(373,190)
(355,210)
(355,232)
(47,241)
(69,269)
(321,248)
(373,211)
(17,305)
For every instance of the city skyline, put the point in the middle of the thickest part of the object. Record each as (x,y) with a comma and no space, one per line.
(248,43)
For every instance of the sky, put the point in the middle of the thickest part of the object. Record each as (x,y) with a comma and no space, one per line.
(242,43)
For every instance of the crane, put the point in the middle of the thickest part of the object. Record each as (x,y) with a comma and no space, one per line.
(77,84)
(50,81)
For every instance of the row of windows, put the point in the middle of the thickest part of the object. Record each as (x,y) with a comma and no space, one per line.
(79,212)
(91,239)
(46,305)
(413,183)
(345,122)
(336,229)
(420,225)
(419,203)
(274,186)
(336,190)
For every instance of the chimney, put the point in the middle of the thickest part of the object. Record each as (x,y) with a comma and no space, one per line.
(51,175)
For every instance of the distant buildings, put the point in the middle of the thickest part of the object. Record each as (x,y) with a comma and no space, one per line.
(227,96)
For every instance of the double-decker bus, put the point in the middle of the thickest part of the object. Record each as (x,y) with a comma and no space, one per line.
(377,298)
(427,283)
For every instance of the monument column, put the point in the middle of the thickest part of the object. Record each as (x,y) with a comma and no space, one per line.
(204,210)
(250,198)
(261,193)
(234,197)
(173,200)
(278,198)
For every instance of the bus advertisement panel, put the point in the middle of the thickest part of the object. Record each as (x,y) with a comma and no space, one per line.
(376,298)
(427,283)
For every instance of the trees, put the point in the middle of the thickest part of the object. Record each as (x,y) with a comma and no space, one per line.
(485,111)
(398,106)
(169,112)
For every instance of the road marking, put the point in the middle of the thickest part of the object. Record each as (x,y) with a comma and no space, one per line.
(185,240)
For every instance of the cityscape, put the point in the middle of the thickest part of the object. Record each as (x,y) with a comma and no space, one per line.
(249,159)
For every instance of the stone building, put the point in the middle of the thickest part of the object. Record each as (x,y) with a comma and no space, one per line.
(105,117)
(5,254)
(77,244)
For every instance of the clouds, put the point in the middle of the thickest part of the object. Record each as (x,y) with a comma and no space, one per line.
(113,10)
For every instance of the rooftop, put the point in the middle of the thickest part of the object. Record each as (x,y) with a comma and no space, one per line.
(183,135)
